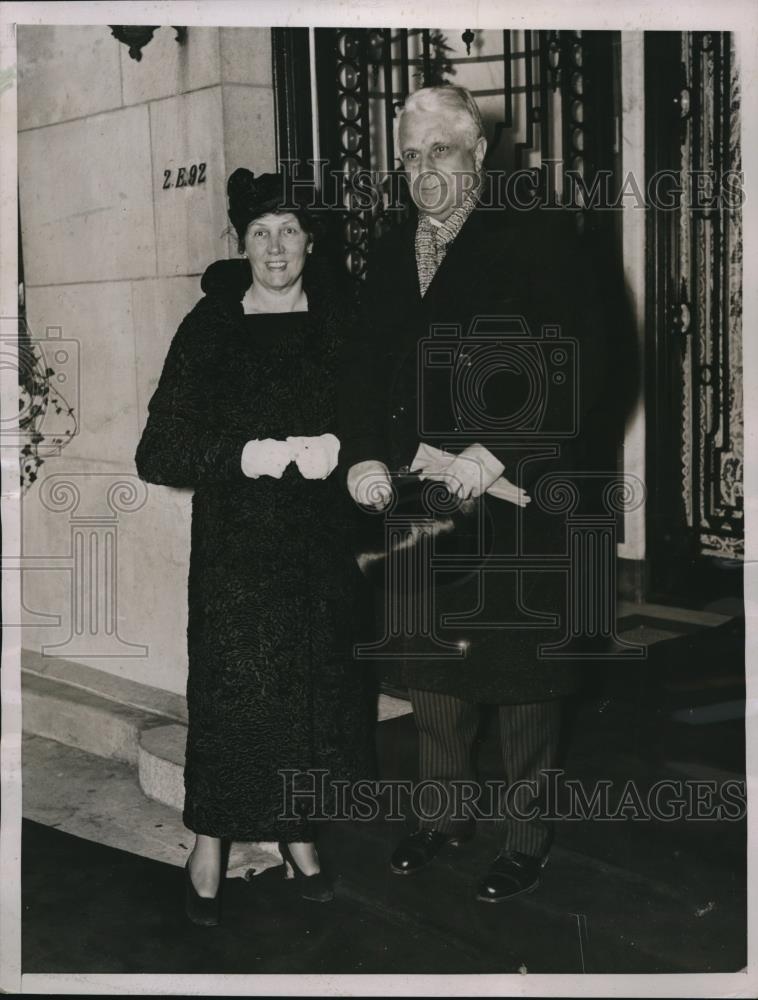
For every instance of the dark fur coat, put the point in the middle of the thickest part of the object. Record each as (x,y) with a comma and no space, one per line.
(272,684)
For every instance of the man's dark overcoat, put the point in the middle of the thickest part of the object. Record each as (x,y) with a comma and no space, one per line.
(552,401)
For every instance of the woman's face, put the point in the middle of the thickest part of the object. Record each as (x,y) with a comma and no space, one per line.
(276,245)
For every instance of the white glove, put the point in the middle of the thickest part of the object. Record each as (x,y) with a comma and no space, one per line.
(266,457)
(316,457)
(369,484)
(473,472)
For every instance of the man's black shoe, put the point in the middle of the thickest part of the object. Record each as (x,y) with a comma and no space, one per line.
(416,851)
(511,874)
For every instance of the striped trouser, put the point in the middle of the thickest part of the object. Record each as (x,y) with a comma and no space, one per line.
(447,728)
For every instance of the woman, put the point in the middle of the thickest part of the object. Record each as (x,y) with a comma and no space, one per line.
(244,413)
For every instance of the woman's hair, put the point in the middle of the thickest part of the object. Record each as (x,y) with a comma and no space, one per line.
(250,197)
(457,101)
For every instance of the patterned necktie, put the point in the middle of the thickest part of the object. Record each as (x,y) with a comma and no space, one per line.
(432,241)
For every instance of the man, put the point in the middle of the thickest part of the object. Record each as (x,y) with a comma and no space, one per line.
(463,256)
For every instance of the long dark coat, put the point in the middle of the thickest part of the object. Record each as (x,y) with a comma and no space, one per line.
(395,394)
(271,683)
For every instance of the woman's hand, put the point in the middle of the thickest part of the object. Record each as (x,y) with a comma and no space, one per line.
(266,457)
(316,457)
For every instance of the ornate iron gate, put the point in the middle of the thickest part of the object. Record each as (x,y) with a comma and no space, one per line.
(711,253)
(552,109)
(695,255)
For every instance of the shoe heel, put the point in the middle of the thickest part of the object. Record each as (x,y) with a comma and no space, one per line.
(317,888)
(201,910)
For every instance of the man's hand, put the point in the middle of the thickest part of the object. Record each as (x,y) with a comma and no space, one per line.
(369,484)
(467,475)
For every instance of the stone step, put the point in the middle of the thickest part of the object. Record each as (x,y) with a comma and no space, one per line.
(100,799)
(160,764)
(88,733)
(89,722)
(81,719)
(105,685)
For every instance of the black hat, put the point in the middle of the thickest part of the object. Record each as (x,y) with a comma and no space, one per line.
(250,197)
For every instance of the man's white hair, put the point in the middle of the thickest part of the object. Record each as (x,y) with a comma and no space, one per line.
(458,102)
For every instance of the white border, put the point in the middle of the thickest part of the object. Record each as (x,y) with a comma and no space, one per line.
(485,985)
(747,54)
(632,15)
(10,676)
(740,16)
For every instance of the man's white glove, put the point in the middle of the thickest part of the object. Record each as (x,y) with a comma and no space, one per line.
(369,484)
(316,457)
(468,475)
(266,457)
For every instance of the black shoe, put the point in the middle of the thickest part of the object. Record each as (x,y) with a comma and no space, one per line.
(318,887)
(416,851)
(203,910)
(510,874)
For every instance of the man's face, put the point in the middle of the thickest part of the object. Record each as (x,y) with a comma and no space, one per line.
(437,155)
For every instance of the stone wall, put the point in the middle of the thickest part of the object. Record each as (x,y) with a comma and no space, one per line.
(112,249)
